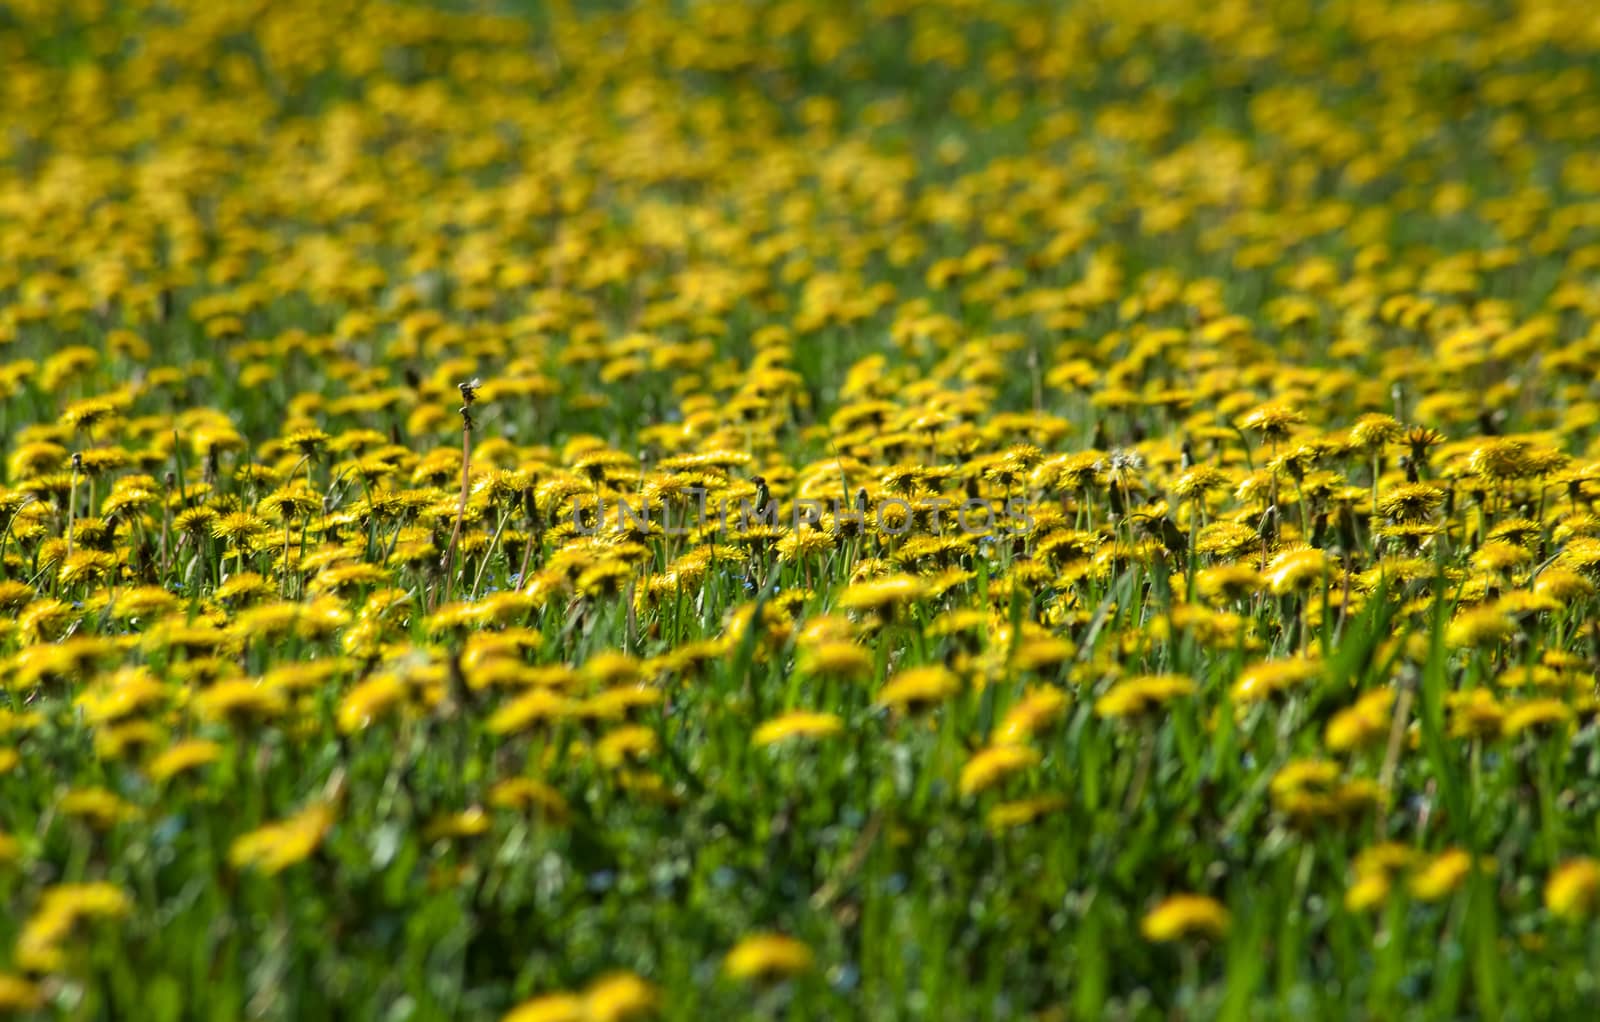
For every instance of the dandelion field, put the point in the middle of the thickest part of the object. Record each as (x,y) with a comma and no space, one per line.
(1262,339)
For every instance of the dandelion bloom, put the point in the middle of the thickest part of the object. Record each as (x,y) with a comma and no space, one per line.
(1312,789)
(838,659)
(1500,459)
(619,997)
(1440,876)
(1226,539)
(990,766)
(883,594)
(1018,813)
(1184,915)
(919,687)
(1562,585)
(39,946)
(1376,430)
(1037,710)
(1572,889)
(238,528)
(1411,502)
(1225,583)
(1296,570)
(1367,891)
(560,1007)
(18,994)
(99,807)
(1534,715)
(368,701)
(626,745)
(524,794)
(1582,555)
(1274,677)
(1475,714)
(239,699)
(1041,652)
(767,956)
(1478,628)
(1361,724)
(469,822)
(277,846)
(535,706)
(797,724)
(182,758)
(1135,696)
(1273,421)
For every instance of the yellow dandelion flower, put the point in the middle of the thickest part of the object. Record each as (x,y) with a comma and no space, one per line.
(1479,627)
(469,822)
(277,846)
(1475,713)
(1361,724)
(1440,876)
(238,528)
(767,956)
(618,703)
(183,757)
(1226,539)
(1296,570)
(988,767)
(559,1007)
(1533,715)
(239,700)
(526,795)
(1136,696)
(1582,555)
(1368,891)
(61,910)
(370,700)
(536,706)
(1021,812)
(838,659)
(883,594)
(1226,583)
(1274,677)
(18,994)
(1573,889)
(619,997)
(1273,421)
(1041,653)
(1499,557)
(1036,712)
(1501,458)
(1375,431)
(1184,915)
(919,688)
(97,806)
(797,724)
(1562,585)
(626,745)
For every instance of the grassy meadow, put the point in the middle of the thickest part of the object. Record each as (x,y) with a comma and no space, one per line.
(1260,337)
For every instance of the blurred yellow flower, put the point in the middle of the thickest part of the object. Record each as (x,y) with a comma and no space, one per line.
(1573,888)
(797,724)
(183,757)
(277,846)
(988,767)
(767,956)
(1132,697)
(1184,915)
